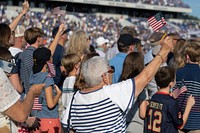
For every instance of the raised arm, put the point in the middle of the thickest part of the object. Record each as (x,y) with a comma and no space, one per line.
(25,8)
(53,45)
(21,109)
(150,70)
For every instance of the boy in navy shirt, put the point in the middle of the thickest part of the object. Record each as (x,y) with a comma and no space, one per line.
(163,114)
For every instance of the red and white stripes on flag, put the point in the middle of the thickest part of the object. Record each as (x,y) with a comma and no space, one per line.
(36,104)
(51,69)
(157,21)
(179,91)
(57,11)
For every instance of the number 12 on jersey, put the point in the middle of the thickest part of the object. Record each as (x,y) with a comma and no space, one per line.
(154,122)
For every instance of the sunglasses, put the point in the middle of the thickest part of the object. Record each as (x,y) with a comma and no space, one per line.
(110,71)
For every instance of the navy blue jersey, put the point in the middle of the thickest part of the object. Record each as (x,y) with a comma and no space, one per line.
(163,115)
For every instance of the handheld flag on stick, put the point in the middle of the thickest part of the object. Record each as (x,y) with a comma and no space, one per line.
(181,89)
(52,70)
(57,11)
(157,21)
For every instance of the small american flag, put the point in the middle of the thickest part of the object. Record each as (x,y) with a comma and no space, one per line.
(57,11)
(157,21)
(51,68)
(181,89)
(36,104)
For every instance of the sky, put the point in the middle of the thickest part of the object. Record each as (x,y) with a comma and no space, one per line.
(195,5)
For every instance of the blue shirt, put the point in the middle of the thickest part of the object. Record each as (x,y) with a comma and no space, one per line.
(190,73)
(39,78)
(162,114)
(26,66)
(57,56)
(117,62)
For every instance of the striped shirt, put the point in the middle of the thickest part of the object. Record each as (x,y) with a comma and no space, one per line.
(103,110)
(190,73)
(26,64)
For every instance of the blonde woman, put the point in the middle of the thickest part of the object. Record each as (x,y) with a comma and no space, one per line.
(78,43)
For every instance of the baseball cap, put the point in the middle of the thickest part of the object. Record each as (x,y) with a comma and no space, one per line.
(55,30)
(156,36)
(125,40)
(174,36)
(101,40)
(19,31)
(40,57)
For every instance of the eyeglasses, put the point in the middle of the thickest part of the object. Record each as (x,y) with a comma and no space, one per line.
(110,71)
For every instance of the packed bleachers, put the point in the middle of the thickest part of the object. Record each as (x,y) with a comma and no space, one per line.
(98,25)
(173,3)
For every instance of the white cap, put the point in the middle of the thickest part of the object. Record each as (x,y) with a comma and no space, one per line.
(107,41)
(19,31)
(101,40)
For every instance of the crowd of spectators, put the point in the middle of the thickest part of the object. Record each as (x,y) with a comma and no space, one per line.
(69,38)
(171,3)
(98,25)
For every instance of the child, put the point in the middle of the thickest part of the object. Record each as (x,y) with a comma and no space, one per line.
(71,63)
(163,113)
(48,113)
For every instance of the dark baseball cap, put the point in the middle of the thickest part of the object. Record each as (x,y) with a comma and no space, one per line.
(125,40)
(55,30)
(40,57)
(156,36)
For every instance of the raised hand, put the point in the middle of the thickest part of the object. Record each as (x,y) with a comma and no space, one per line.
(61,29)
(58,91)
(167,43)
(25,7)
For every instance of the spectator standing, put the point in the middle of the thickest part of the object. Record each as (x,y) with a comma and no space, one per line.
(71,63)
(58,54)
(190,74)
(125,46)
(11,105)
(19,43)
(79,43)
(101,46)
(34,37)
(80,81)
(133,65)
(49,97)
(163,114)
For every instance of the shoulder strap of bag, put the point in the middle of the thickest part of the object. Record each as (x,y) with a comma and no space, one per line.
(69,116)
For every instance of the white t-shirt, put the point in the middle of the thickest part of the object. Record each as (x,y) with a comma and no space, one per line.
(68,90)
(103,110)
(14,51)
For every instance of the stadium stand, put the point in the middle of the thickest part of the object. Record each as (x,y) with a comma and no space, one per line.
(107,24)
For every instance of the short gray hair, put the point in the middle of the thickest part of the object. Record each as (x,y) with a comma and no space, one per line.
(93,70)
